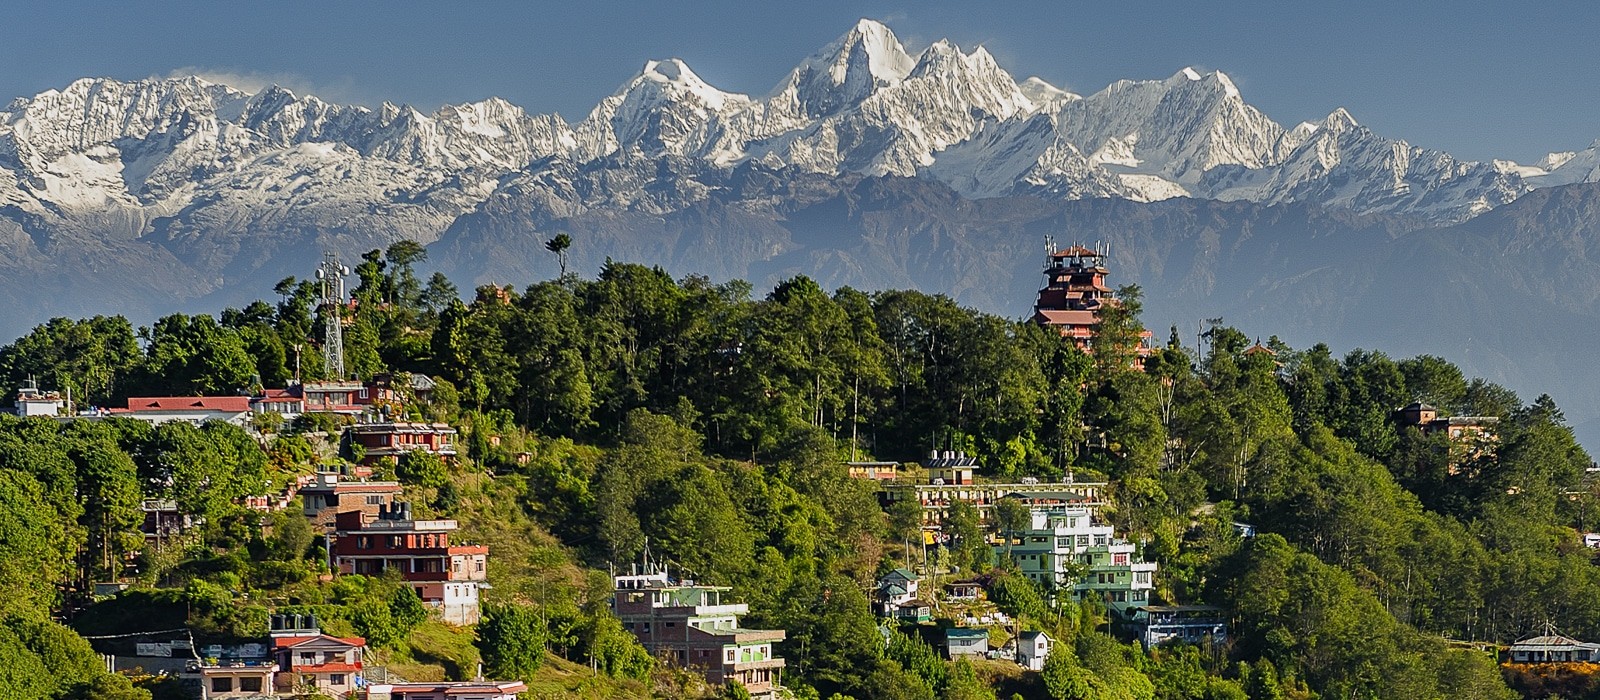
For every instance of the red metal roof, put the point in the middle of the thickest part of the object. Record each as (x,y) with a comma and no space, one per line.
(291,642)
(232,404)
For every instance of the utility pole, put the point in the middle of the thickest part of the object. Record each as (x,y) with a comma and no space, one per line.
(331,274)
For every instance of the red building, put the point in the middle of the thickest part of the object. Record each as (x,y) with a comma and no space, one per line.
(446,576)
(381,440)
(1074,293)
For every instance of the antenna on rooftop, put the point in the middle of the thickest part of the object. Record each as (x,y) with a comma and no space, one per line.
(331,275)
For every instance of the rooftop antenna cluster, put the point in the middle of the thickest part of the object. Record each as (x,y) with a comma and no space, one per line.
(330,275)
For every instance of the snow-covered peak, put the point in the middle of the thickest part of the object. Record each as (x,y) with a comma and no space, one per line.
(886,58)
(674,75)
(1338,121)
(841,74)
(1044,95)
(1554,160)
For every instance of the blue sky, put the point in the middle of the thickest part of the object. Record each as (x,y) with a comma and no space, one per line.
(1480,80)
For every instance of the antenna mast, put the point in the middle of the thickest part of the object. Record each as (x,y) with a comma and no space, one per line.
(331,275)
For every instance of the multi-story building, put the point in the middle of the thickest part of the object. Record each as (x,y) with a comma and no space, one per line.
(936,495)
(446,575)
(898,595)
(1192,624)
(1063,547)
(690,626)
(312,662)
(1075,292)
(330,495)
(380,440)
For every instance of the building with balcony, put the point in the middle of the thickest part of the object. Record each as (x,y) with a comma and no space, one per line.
(1191,624)
(689,625)
(1064,548)
(380,440)
(445,574)
(311,662)
(936,495)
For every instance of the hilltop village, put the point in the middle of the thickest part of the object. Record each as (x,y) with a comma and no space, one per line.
(640,487)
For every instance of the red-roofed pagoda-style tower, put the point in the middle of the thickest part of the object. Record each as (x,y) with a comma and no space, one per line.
(1075,290)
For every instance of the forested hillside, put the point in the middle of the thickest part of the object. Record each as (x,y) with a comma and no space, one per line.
(712,421)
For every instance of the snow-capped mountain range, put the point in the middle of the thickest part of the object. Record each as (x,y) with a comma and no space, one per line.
(184,158)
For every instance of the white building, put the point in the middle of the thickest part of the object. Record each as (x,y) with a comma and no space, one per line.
(1033,648)
(1063,547)
(33,402)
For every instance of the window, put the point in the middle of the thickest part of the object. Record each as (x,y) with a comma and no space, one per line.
(336,679)
(250,685)
(222,685)
(374,500)
(731,656)
(364,542)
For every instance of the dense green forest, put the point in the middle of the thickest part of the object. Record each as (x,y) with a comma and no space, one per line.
(715,424)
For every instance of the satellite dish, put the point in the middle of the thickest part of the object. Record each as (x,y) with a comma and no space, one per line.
(344,270)
(319,273)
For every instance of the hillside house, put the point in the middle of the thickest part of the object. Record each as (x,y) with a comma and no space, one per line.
(898,596)
(312,662)
(1061,541)
(1552,648)
(322,500)
(1033,647)
(31,401)
(690,626)
(446,575)
(961,642)
(963,590)
(1192,624)
(380,440)
(234,679)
